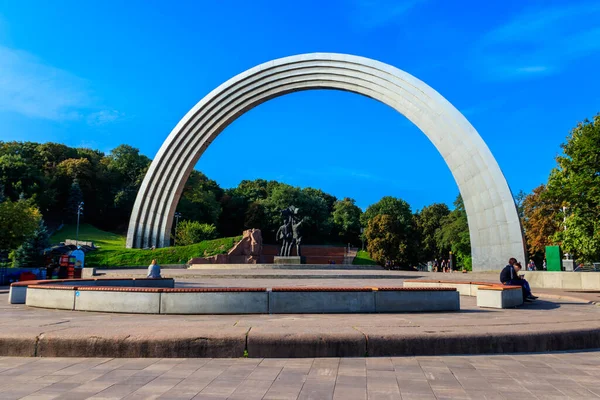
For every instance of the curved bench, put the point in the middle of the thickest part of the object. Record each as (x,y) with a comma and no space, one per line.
(86,295)
(18,290)
(489,295)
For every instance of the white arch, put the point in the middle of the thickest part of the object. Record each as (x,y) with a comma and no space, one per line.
(494,225)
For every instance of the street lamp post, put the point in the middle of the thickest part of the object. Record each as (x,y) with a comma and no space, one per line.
(177,216)
(79,211)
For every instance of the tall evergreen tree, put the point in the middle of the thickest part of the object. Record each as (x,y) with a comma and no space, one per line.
(31,253)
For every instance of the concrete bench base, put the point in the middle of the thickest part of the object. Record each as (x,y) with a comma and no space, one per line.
(489,295)
(17,294)
(69,295)
(18,290)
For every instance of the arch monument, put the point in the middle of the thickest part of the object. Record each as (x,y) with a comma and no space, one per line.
(494,225)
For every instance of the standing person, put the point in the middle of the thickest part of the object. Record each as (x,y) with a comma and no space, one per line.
(510,276)
(154,270)
(544,267)
(443,266)
(531,265)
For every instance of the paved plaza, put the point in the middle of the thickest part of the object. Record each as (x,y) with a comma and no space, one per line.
(525,376)
(560,320)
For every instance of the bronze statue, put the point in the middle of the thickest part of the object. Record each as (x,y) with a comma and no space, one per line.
(289,233)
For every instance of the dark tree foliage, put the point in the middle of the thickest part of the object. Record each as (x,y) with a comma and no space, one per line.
(31,253)
(73,202)
(428,222)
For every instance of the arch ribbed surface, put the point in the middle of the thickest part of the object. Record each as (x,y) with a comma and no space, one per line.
(494,225)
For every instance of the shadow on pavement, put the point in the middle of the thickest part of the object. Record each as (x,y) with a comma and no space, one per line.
(541,305)
(584,291)
(478,311)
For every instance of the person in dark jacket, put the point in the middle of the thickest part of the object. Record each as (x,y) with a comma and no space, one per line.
(510,276)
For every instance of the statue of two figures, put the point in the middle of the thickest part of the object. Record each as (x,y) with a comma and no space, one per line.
(289,233)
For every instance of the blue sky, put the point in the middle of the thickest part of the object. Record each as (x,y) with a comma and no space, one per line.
(98,74)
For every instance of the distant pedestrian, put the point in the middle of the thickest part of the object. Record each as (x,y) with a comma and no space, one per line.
(531,266)
(154,270)
(544,267)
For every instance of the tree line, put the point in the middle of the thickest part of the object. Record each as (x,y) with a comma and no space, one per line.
(565,210)
(43,184)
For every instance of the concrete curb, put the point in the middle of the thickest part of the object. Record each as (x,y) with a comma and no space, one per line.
(261,343)
(567,298)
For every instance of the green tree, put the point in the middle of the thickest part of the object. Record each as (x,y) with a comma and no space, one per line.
(316,227)
(31,253)
(395,208)
(346,219)
(190,232)
(453,235)
(19,174)
(200,199)
(519,202)
(233,214)
(541,219)
(428,222)
(580,236)
(19,221)
(386,242)
(125,171)
(256,217)
(575,185)
(399,211)
(252,191)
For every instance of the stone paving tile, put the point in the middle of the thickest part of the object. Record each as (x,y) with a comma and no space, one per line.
(291,376)
(317,388)
(513,377)
(282,390)
(221,387)
(418,396)
(414,386)
(265,373)
(454,394)
(484,395)
(116,376)
(251,389)
(20,390)
(346,393)
(154,388)
(380,364)
(117,391)
(383,387)
(75,395)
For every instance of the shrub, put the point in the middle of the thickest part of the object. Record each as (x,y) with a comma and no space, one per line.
(190,232)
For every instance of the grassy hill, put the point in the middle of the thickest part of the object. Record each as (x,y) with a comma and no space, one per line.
(112,252)
(362,258)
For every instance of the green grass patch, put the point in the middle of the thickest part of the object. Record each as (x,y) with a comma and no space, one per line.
(112,252)
(362,258)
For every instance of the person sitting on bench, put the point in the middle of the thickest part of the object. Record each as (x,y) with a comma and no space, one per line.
(510,276)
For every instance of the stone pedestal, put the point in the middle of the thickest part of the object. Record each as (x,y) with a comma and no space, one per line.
(293,260)
(568,265)
(88,272)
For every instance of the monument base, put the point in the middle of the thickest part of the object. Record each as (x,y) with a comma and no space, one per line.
(293,260)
